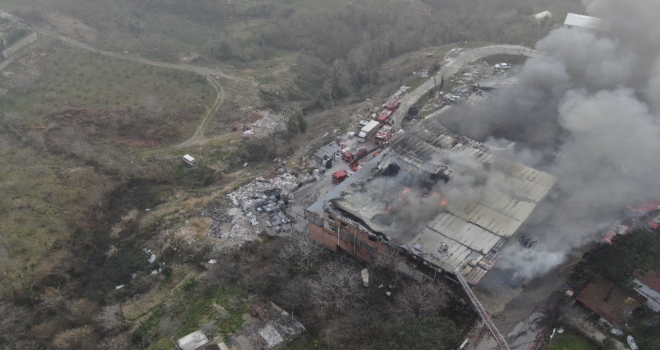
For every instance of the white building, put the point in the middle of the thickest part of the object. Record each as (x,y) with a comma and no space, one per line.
(586,22)
(192,341)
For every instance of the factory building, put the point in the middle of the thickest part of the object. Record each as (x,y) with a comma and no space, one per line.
(402,203)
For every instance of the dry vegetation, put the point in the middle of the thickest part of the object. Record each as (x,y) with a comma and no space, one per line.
(86,148)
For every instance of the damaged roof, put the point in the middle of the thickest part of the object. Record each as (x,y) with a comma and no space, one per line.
(474,229)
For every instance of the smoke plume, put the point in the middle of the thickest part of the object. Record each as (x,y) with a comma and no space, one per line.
(594,97)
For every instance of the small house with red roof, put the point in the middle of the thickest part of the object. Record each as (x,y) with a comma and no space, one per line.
(649,287)
(611,302)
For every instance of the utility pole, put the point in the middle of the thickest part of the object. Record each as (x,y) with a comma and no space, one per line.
(475,302)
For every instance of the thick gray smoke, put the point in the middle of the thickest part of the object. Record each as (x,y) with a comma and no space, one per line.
(595,97)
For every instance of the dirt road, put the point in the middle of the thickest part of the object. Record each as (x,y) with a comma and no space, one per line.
(198,138)
(123,56)
(451,66)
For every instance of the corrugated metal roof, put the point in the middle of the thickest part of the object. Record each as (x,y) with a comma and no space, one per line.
(471,230)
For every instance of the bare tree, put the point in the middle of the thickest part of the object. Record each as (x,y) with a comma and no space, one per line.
(301,255)
(337,289)
(52,299)
(168,326)
(76,339)
(294,294)
(222,272)
(12,122)
(81,148)
(110,319)
(81,312)
(119,342)
(35,139)
(210,329)
(420,300)
(249,339)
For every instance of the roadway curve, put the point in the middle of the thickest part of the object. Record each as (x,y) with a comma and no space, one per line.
(123,56)
(451,67)
(198,138)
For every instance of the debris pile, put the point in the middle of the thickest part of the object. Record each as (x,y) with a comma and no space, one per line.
(268,124)
(397,95)
(259,205)
(252,195)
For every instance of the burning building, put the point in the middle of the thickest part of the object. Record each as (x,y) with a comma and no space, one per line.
(432,188)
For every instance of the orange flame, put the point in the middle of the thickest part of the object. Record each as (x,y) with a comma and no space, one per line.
(406,190)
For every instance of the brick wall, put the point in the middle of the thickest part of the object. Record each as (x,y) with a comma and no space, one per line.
(337,233)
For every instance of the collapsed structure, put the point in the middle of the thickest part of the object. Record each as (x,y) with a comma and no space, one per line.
(431,188)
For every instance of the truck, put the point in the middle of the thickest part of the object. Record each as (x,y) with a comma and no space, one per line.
(653,225)
(349,157)
(636,211)
(361,153)
(339,176)
(368,131)
(384,116)
(384,133)
(393,106)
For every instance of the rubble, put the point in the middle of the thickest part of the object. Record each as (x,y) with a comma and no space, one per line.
(268,124)
(254,207)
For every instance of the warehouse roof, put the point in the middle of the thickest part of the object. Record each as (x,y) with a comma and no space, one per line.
(473,229)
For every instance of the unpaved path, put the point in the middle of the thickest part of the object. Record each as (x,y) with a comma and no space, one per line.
(198,138)
(451,66)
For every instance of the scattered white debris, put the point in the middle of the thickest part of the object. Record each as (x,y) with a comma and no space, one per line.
(240,224)
(388,293)
(119,286)
(152,258)
(365,277)
(270,123)
(154,272)
(213,261)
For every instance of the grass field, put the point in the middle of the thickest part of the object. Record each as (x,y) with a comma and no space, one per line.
(570,340)
(68,117)
(63,77)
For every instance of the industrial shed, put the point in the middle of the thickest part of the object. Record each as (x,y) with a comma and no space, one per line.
(395,204)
